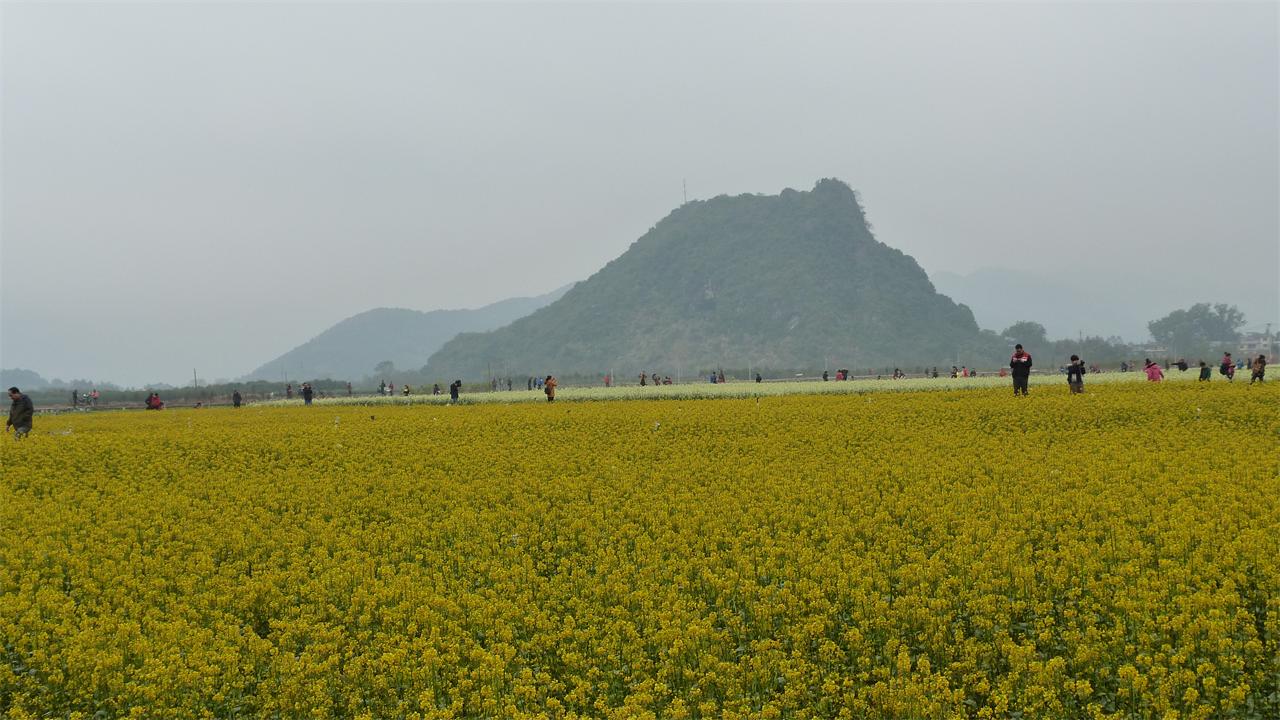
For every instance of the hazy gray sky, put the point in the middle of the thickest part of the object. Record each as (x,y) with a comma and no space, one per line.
(207,185)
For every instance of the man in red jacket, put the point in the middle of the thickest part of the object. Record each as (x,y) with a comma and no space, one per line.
(1020,368)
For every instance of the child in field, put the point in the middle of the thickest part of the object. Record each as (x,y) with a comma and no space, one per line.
(1075,375)
(1205,372)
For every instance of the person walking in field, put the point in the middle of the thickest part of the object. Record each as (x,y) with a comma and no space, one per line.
(1020,368)
(1228,367)
(549,387)
(454,388)
(1259,369)
(21,412)
(1205,372)
(1075,375)
(235,399)
(1154,373)
(307,393)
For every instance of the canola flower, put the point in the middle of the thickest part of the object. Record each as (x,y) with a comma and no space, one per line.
(904,555)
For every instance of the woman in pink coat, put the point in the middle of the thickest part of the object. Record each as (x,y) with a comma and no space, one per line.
(1154,373)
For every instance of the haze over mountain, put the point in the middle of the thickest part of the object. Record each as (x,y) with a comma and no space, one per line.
(795,280)
(170,206)
(350,349)
(1088,299)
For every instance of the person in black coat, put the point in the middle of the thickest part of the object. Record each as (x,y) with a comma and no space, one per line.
(1020,368)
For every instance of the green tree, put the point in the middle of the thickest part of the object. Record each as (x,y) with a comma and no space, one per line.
(1198,327)
(1028,333)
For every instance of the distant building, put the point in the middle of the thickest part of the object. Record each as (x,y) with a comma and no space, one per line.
(1253,344)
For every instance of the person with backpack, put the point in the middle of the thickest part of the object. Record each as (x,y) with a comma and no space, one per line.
(1075,375)
(1020,368)
(1228,367)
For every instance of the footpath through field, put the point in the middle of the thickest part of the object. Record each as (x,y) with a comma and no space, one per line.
(695,391)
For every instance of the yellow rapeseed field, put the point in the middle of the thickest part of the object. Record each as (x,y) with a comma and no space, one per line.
(956,554)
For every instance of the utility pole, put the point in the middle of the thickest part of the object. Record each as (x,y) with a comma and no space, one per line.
(685,184)
(194,382)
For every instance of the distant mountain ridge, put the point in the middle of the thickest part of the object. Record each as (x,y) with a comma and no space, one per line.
(794,280)
(350,349)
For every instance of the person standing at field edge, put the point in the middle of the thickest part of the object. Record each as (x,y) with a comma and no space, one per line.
(1259,369)
(1075,375)
(1205,372)
(235,399)
(20,414)
(454,387)
(549,387)
(1020,368)
(307,393)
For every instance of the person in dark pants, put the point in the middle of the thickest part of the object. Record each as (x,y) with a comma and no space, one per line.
(454,387)
(235,399)
(1205,372)
(20,414)
(1259,369)
(307,393)
(1020,368)
(1075,375)
(549,387)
